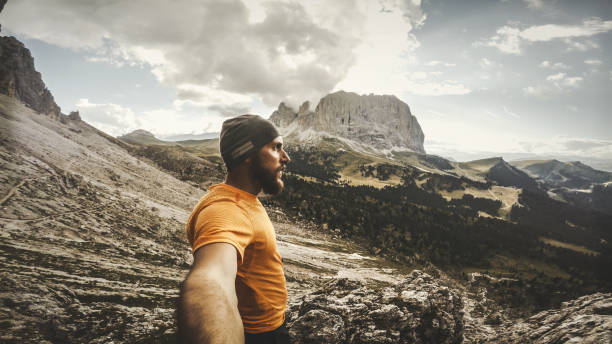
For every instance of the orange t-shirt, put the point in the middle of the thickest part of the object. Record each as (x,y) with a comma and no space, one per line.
(230,215)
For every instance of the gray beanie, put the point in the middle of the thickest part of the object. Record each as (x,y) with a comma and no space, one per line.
(243,135)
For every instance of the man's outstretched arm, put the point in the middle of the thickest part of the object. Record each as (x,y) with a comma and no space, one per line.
(208,307)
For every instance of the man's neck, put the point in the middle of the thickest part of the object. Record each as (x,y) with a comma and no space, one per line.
(241,179)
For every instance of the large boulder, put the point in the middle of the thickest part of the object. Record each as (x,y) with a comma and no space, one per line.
(415,310)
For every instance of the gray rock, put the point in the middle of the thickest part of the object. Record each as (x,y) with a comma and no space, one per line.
(587,319)
(318,326)
(75,116)
(283,116)
(416,310)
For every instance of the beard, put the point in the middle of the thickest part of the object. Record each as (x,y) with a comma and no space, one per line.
(270,184)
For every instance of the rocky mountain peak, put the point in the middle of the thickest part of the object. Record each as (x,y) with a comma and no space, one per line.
(379,121)
(19,79)
(142,132)
(304,108)
(140,136)
(283,116)
(580,164)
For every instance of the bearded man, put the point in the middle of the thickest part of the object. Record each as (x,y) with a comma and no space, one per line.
(236,291)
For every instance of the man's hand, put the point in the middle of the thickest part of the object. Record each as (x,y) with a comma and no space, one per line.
(208,307)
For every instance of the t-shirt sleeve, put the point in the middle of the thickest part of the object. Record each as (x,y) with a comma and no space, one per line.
(223,222)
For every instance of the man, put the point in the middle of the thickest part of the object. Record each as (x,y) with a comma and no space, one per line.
(235,291)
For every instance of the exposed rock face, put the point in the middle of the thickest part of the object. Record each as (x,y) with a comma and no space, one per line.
(383,122)
(415,310)
(19,79)
(585,320)
(283,116)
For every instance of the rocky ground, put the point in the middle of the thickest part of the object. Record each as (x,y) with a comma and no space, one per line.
(93,250)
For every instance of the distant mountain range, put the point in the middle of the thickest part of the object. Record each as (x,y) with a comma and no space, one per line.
(364,128)
(574,174)
(561,179)
(141,136)
(499,171)
(571,182)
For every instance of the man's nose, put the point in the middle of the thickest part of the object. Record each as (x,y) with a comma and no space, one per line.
(286,158)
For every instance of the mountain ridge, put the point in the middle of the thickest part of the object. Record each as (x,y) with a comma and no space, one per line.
(572,174)
(19,78)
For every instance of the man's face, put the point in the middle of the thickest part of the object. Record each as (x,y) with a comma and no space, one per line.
(268,165)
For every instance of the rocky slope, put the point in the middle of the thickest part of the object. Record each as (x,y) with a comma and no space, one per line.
(424,309)
(584,320)
(383,122)
(91,251)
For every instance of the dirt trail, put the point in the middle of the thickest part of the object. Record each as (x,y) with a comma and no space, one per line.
(13,190)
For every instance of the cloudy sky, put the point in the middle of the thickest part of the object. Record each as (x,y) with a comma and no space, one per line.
(517,78)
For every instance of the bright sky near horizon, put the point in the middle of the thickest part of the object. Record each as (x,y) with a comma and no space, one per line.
(512,78)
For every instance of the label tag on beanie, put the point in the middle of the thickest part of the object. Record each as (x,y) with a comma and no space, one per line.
(245,147)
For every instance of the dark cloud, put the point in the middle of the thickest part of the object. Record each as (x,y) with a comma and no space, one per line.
(210,43)
(586,144)
(229,111)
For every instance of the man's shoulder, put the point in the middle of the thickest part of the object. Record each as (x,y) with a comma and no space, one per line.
(223,203)
(216,197)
